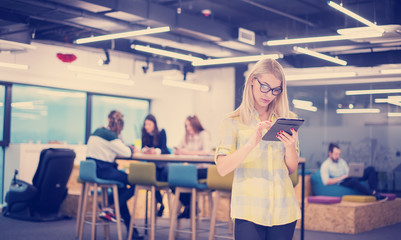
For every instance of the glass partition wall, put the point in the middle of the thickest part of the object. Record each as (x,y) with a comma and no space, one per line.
(35,114)
(366,124)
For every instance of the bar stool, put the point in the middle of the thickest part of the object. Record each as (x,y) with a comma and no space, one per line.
(143,175)
(87,173)
(222,187)
(184,177)
(79,211)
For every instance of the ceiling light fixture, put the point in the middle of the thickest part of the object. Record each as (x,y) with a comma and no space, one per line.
(322,39)
(218,61)
(355,16)
(14,65)
(123,35)
(375,91)
(90,77)
(304,105)
(23,45)
(165,53)
(320,55)
(390,71)
(395,100)
(98,72)
(358,110)
(326,75)
(187,85)
(394,114)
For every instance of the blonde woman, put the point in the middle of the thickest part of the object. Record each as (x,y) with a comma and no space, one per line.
(263,201)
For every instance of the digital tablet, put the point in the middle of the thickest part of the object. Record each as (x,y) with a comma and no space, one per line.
(282,124)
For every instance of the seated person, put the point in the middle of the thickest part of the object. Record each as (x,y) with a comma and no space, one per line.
(103,146)
(196,142)
(334,170)
(155,142)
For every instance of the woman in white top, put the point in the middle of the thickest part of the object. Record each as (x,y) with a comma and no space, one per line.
(196,142)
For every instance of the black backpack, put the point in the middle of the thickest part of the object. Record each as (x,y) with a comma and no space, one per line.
(41,200)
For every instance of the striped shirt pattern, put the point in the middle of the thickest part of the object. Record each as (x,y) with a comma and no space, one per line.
(262,190)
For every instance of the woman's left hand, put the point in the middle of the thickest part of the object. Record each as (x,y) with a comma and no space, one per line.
(287,139)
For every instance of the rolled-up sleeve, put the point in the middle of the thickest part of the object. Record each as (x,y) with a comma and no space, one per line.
(227,138)
(324,173)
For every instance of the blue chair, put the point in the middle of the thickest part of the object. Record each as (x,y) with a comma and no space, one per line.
(87,174)
(318,188)
(184,177)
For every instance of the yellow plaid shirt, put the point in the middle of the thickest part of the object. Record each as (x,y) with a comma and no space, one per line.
(262,190)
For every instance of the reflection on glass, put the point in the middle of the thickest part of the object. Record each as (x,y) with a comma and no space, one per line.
(1,175)
(134,111)
(2,93)
(368,133)
(42,115)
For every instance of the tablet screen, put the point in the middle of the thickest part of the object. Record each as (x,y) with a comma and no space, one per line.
(282,124)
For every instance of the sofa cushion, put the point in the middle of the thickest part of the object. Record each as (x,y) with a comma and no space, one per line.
(318,188)
(359,198)
(323,199)
(390,196)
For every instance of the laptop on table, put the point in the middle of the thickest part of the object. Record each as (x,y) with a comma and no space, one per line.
(356,169)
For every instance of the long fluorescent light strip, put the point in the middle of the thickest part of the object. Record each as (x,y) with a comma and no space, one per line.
(14,65)
(390,71)
(321,39)
(355,16)
(394,114)
(320,55)
(192,86)
(358,110)
(165,53)
(375,91)
(123,35)
(90,77)
(307,108)
(235,59)
(320,76)
(24,45)
(98,72)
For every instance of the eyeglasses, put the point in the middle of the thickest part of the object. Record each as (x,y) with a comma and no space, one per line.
(265,88)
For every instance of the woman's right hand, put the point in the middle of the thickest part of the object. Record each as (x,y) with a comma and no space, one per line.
(257,135)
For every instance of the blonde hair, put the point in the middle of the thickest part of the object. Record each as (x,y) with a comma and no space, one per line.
(278,107)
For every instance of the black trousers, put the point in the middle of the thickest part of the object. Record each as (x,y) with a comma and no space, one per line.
(369,174)
(246,230)
(161,175)
(109,171)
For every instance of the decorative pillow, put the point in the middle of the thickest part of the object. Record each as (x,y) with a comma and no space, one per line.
(358,198)
(390,196)
(324,199)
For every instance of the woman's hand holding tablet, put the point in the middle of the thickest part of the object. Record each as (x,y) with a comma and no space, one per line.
(282,124)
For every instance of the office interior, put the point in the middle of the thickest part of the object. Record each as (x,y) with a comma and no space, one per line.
(56,91)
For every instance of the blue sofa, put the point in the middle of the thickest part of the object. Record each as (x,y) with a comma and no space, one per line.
(319,189)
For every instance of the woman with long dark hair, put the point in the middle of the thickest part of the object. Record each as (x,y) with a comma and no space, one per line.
(155,142)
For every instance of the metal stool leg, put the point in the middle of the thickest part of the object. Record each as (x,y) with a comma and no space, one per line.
(104,204)
(117,209)
(79,211)
(131,224)
(83,211)
(94,211)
